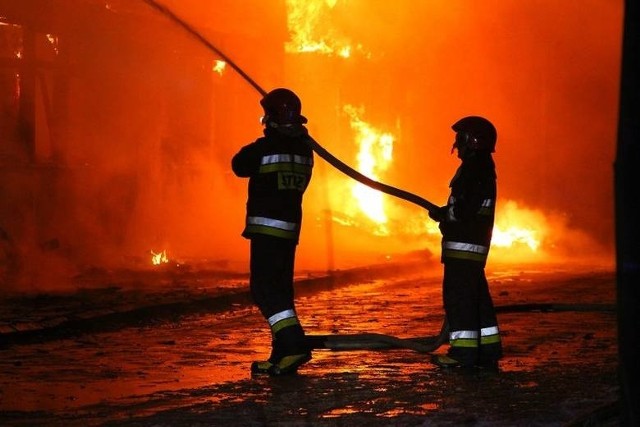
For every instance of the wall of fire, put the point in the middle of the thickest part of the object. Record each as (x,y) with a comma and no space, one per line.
(117,132)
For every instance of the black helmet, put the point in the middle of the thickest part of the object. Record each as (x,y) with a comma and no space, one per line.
(479,133)
(282,107)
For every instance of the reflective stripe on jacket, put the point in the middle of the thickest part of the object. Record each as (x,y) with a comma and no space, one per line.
(470,212)
(279,169)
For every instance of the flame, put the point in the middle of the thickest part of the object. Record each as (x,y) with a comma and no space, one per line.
(307,22)
(219,66)
(517,226)
(159,258)
(375,153)
(514,235)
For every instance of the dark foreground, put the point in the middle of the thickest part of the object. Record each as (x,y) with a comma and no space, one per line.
(180,356)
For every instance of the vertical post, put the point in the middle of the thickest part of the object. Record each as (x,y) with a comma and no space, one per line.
(627,215)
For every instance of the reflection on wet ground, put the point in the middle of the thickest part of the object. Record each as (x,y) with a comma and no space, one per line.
(193,369)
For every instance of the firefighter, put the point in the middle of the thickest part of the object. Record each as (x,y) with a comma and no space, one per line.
(466,225)
(279,166)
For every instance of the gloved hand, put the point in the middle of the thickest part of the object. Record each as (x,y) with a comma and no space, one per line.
(438,214)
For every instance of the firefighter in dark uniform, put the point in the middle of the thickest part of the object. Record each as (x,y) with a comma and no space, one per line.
(278,166)
(466,224)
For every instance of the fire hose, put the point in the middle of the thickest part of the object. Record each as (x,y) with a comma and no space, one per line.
(425,344)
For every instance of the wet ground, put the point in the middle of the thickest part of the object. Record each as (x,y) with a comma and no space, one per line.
(121,352)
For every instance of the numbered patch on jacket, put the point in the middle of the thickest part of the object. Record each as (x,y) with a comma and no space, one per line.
(291,181)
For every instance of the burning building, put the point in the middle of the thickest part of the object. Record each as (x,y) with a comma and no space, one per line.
(118,126)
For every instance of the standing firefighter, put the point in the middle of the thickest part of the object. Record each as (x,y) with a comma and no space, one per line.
(278,166)
(466,224)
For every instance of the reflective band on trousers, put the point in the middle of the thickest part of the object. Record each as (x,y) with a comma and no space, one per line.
(456,335)
(278,158)
(286,314)
(490,335)
(466,247)
(467,339)
(270,222)
(493,330)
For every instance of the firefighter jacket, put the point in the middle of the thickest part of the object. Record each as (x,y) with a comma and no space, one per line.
(278,166)
(466,222)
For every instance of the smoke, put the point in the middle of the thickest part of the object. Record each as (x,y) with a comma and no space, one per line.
(135,130)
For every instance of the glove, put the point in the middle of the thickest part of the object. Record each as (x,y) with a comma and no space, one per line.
(438,214)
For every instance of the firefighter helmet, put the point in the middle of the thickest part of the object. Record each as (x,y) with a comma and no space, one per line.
(282,107)
(476,133)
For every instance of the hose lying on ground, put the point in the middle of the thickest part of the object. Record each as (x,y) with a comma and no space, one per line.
(371,341)
(428,344)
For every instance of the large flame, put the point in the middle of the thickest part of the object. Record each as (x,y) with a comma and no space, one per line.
(309,32)
(516,226)
(375,152)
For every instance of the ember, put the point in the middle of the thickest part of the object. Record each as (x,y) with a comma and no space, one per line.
(219,66)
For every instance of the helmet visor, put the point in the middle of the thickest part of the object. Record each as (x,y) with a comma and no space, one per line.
(462,140)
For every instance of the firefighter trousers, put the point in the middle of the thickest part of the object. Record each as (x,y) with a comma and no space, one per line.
(271,284)
(474,336)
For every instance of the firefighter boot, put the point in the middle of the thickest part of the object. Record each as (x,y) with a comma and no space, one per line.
(447,362)
(261,367)
(444,361)
(289,364)
(293,348)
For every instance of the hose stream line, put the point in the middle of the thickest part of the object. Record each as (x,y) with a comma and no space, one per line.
(356,341)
